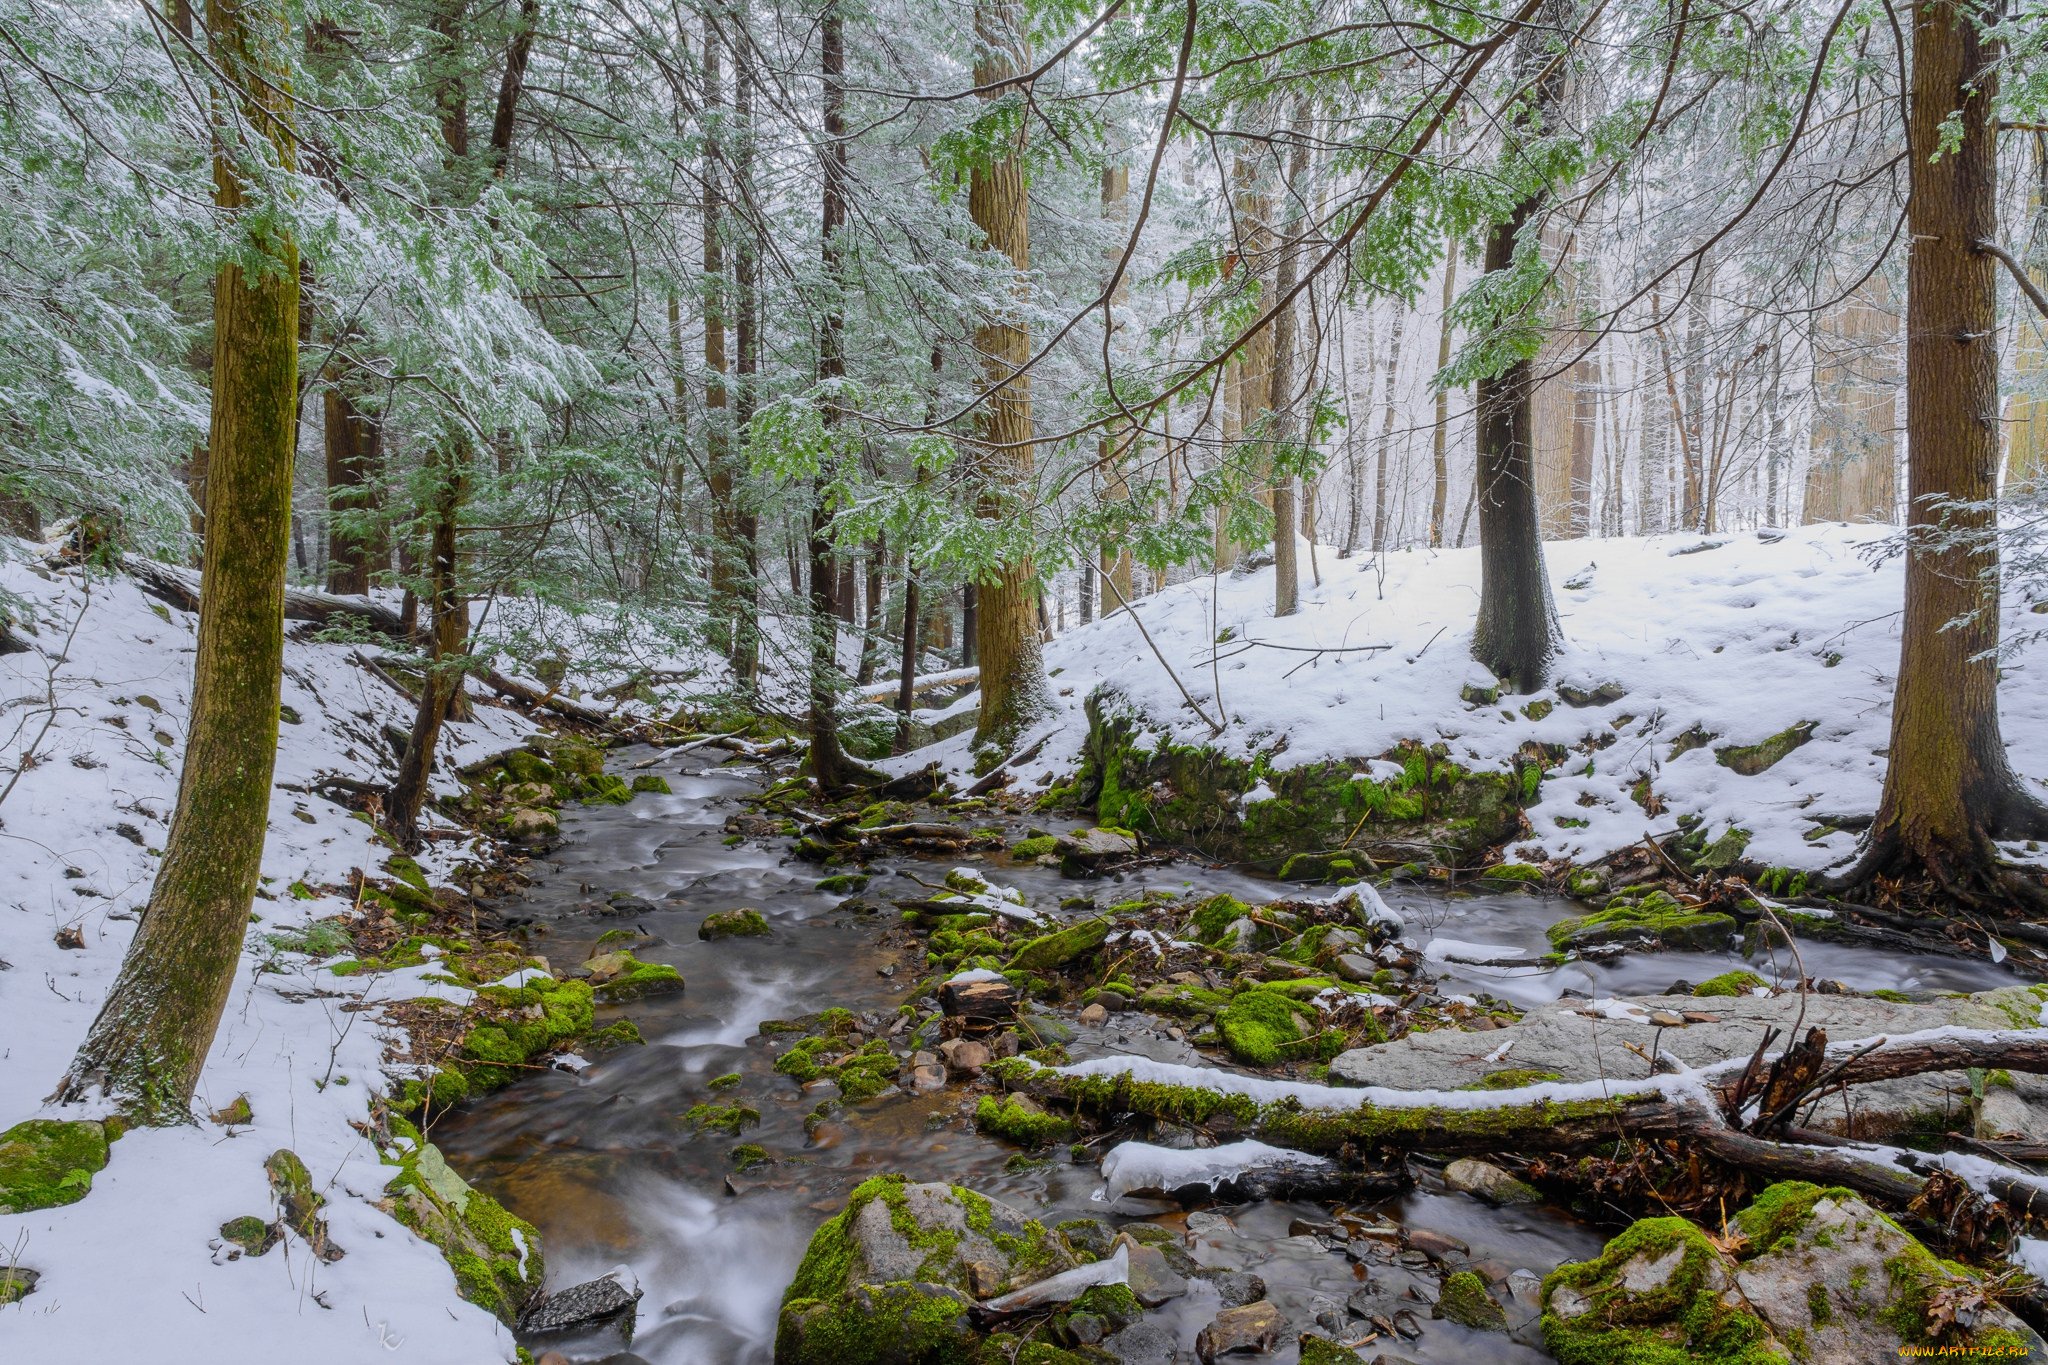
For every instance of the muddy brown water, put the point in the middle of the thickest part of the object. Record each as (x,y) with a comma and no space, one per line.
(603,1164)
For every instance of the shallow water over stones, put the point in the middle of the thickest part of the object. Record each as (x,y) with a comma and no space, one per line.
(604,1163)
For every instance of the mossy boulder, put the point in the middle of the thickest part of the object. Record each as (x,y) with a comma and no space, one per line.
(1052,951)
(531,825)
(1264,1027)
(605,789)
(1751,759)
(1741,981)
(891,1279)
(1034,848)
(1817,1275)
(1660,1294)
(1464,1300)
(652,782)
(1252,808)
(1021,1120)
(523,765)
(1844,1282)
(637,980)
(45,1163)
(1654,919)
(495,1255)
(733,924)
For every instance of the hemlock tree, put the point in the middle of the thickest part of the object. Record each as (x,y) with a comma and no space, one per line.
(1006,634)
(146,1047)
(1948,790)
(1517,633)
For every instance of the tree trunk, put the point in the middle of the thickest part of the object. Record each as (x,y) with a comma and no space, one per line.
(1007,644)
(829,767)
(1948,791)
(445,664)
(1386,441)
(1516,634)
(2026,412)
(1854,466)
(147,1045)
(1113,451)
(1439,436)
(1281,385)
(740,545)
(354,442)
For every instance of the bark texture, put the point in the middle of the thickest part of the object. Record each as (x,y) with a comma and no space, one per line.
(1516,635)
(1006,634)
(147,1045)
(1948,791)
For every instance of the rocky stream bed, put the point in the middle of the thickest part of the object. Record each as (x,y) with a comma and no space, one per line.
(968,1083)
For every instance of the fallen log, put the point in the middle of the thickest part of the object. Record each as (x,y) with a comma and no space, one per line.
(180,587)
(549,700)
(924,682)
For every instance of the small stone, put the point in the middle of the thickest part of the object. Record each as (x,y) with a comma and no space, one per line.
(1436,1245)
(1239,1287)
(1355,967)
(609,1298)
(71,938)
(1315,1227)
(985,1280)
(1152,1280)
(606,966)
(17,1282)
(926,1077)
(1142,1343)
(1666,1019)
(1087,1329)
(1094,1016)
(963,1056)
(1470,1176)
(532,825)
(1253,1328)
(235,1114)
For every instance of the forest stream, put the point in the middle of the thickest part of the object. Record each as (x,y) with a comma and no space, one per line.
(603,1162)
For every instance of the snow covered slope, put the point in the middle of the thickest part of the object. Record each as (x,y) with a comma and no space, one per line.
(1677,648)
(134,1271)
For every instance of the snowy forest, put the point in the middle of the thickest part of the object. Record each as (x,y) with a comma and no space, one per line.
(1017,682)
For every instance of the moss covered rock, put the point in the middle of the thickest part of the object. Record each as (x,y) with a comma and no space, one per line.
(1741,981)
(496,1256)
(891,1279)
(1654,919)
(1138,779)
(637,980)
(1266,1027)
(1464,1300)
(48,1162)
(1660,1294)
(733,924)
(1055,950)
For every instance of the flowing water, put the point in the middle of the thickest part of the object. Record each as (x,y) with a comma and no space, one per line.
(602,1162)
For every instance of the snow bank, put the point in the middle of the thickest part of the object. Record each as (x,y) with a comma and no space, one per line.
(1740,642)
(134,1271)
(1133,1166)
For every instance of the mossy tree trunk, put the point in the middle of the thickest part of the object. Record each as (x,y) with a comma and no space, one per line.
(151,1037)
(1948,790)
(1517,634)
(1006,634)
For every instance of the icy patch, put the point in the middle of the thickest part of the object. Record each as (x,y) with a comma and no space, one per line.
(1142,1166)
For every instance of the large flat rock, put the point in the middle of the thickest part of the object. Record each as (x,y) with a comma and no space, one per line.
(1616,1037)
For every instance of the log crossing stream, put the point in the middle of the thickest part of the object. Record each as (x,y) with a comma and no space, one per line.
(604,1162)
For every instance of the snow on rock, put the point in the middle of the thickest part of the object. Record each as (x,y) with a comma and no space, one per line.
(109,670)
(1738,639)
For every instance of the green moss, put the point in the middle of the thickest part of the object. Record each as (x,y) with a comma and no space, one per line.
(1513,1078)
(1818,1306)
(1025,1125)
(605,789)
(1655,916)
(45,1163)
(1265,1027)
(1513,872)
(639,981)
(734,924)
(250,1233)
(1896,997)
(522,765)
(1775,1216)
(1464,1300)
(887,1324)
(1751,759)
(1055,950)
(721,1118)
(843,883)
(1738,982)
(495,1052)
(617,1034)
(1213,917)
(651,782)
(1037,846)
(495,1255)
(748,1155)
(725,1082)
(1317,1350)
(1678,1322)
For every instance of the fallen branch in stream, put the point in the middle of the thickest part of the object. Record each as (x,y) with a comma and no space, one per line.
(1568,1118)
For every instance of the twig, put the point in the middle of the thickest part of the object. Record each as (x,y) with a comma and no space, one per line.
(1129,610)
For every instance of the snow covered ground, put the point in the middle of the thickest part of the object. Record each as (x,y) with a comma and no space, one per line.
(1736,637)
(134,1271)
